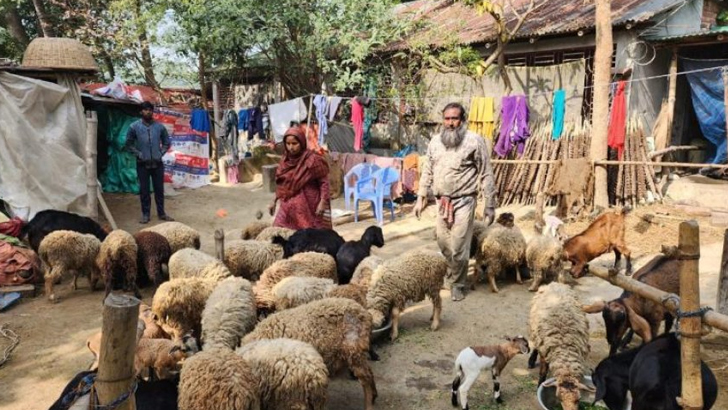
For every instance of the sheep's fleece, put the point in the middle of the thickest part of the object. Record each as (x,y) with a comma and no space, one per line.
(312,264)
(250,259)
(178,235)
(269,233)
(291,373)
(191,263)
(365,270)
(229,314)
(298,290)
(178,305)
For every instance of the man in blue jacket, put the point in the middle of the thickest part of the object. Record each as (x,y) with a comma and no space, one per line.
(148,141)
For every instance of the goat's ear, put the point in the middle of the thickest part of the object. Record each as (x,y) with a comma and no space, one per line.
(595,307)
(639,325)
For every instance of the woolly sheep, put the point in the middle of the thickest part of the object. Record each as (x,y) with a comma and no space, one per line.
(178,304)
(152,257)
(312,264)
(178,235)
(543,256)
(191,263)
(271,232)
(218,380)
(253,229)
(117,262)
(409,277)
(250,258)
(68,251)
(337,328)
(479,231)
(365,270)
(298,290)
(291,373)
(229,314)
(559,331)
(502,247)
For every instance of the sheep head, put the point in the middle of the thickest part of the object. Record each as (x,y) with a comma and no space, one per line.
(506,219)
(568,390)
(377,318)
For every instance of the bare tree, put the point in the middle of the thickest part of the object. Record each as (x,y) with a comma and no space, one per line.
(600,115)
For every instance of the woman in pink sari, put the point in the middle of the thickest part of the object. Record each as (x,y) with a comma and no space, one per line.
(302,186)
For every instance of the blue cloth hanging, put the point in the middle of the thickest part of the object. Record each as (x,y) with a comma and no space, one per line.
(243,120)
(707,89)
(200,120)
(557,115)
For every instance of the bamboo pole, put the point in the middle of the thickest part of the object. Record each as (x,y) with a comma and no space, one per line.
(722,302)
(692,386)
(220,244)
(118,345)
(92,182)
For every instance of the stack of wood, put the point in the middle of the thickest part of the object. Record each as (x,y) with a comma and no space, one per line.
(636,184)
(520,183)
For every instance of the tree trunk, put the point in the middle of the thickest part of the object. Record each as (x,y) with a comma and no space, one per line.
(507,87)
(600,115)
(146,60)
(109,65)
(45,22)
(203,95)
(15,25)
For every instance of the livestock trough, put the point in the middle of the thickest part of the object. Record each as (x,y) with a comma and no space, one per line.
(548,401)
(378,334)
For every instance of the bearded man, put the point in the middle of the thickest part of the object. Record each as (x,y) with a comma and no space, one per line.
(457,170)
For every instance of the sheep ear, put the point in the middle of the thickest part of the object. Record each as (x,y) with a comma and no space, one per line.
(639,325)
(549,383)
(595,307)
(590,389)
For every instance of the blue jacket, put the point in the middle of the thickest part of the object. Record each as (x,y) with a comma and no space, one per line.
(147,142)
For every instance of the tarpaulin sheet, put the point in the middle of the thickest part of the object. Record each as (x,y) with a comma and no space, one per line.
(42,143)
(707,91)
(187,163)
(120,174)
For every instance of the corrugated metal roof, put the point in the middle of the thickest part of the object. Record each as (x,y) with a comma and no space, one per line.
(445,20)
(692,36)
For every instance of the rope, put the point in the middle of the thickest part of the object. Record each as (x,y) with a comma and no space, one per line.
(694,313)
(117,402)
(14,342)
(86,386)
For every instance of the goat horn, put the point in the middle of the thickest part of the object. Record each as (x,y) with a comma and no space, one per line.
(595,307)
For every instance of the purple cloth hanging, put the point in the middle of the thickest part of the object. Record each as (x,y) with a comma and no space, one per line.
(514,128)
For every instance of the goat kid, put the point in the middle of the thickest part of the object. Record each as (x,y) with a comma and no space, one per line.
(605,234)
(472,360)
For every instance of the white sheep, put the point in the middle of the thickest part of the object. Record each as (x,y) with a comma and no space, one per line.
(502,247)
(291,373)
(409,277)
(364,272)
(68,251)
(229,314)
(339,329)
(472,360)
(249,259)
(559,331)
(544,259)
(298,290)
(178,304)
(191,263)
(271,232)
(178,235)
(253,229)
(218,380)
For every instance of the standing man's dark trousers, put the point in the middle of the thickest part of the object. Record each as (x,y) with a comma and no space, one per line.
(157,176)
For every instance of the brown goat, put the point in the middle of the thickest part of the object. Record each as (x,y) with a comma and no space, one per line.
(605,234)
(641,315)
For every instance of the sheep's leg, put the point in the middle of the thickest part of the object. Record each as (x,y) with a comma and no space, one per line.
(436,309)
(543,371)
(537,278)
(373,356)
(470,378)
(519,280)
(492,271)
(93,279)
(532,359)
(50,280)
(359,366)
(496,384)
(395,324)
(74,285)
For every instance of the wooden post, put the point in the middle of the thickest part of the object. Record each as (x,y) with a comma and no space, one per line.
(92,202)
(600,116)
(672,91)
(220,244)
(216,123)
(690,327)
(722,303)
(118,344)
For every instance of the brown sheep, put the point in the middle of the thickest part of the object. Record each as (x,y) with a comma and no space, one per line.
(605,234)
(117,261)
(152,255)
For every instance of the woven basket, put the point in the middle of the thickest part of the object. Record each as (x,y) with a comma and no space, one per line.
(58,53)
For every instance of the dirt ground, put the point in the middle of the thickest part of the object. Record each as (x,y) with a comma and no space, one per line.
(414,372)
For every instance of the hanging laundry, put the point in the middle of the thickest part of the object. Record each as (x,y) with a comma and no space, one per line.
(357,118)
(514,128)
(322,109)
(200,120)
(482,117)
(334,103)
(557,115)
(618,119)
(255,123)
(370,116)
(243,121)
(282,114)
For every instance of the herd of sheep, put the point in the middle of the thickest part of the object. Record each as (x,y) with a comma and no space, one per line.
(286,309)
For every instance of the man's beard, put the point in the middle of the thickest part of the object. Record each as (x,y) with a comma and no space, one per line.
(452,137)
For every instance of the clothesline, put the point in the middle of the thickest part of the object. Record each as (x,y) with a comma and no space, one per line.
(547,92)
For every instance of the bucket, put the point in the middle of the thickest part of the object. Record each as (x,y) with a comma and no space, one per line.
(547,395)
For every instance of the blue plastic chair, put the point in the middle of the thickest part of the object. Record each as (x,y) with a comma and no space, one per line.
(361,171)
(377,189)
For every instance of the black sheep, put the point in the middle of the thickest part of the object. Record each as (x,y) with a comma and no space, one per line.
(45,222)
(353,252)
(310,240)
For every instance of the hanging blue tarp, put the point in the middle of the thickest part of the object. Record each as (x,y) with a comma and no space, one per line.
(707,91)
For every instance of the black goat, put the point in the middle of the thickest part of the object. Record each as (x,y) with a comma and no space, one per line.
(310,240)
(652,373)
(353,252)
(153,395)
(45,222)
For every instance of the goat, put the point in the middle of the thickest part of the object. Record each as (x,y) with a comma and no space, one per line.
(353,252)
(310,240)
(633,312)
(605,234)
(652,374)
(45,222)
(472,360)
